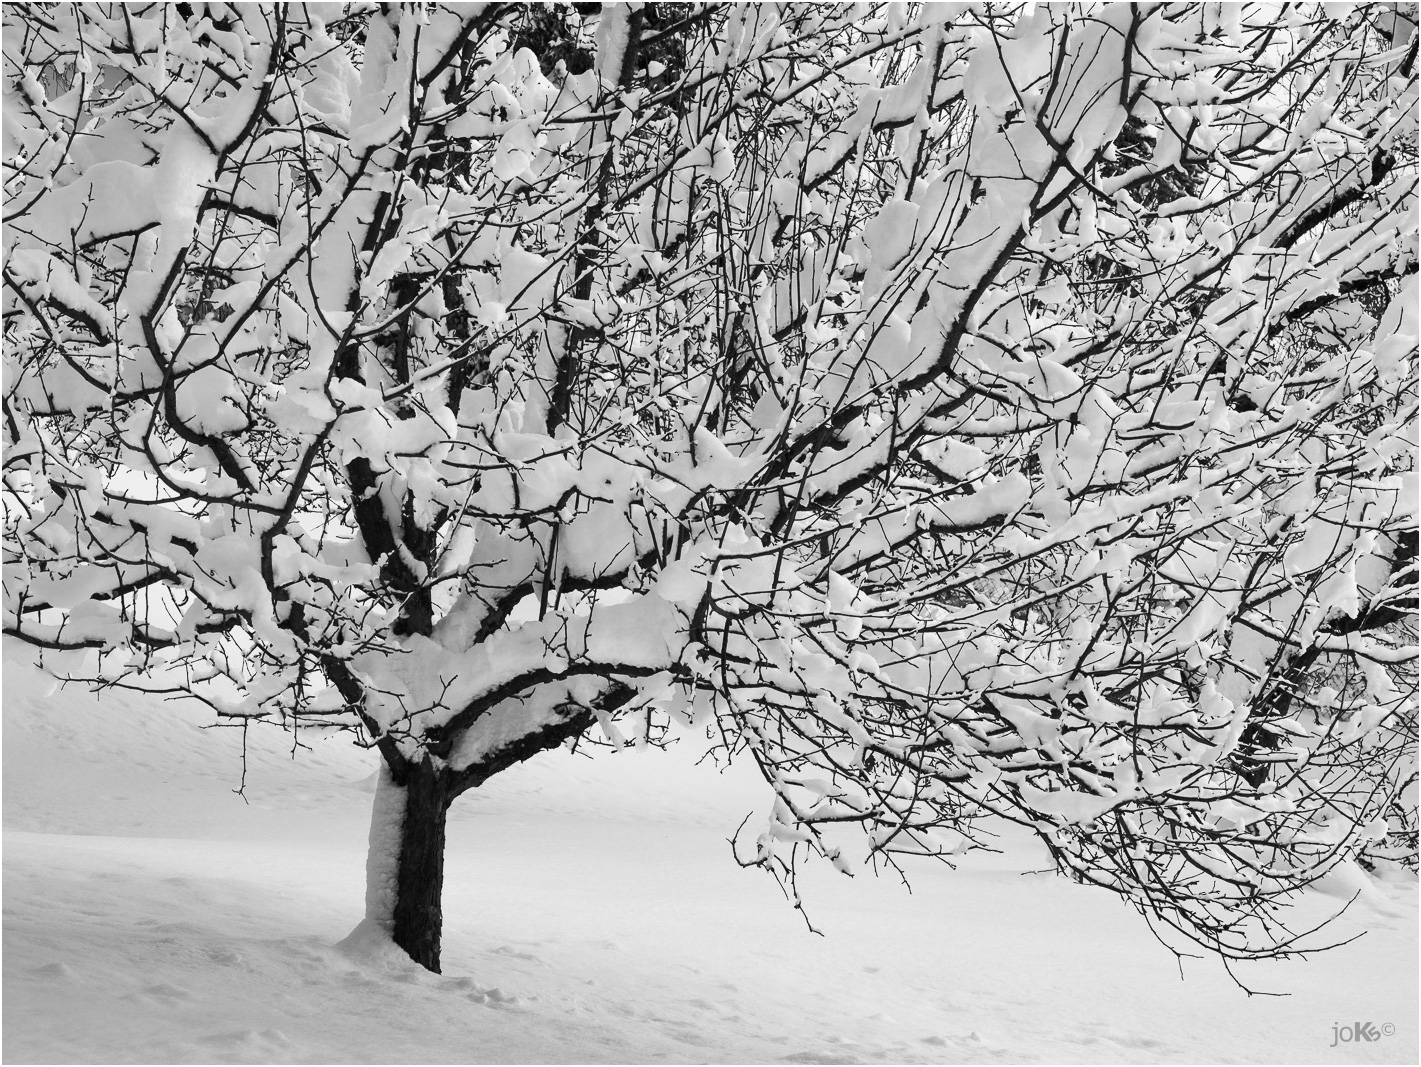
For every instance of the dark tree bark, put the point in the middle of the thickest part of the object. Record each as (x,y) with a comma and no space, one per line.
(419,919)
(430,787)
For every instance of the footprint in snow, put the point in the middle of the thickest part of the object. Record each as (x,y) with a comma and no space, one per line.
(495,998)
(241,1040)
(165,991)
(352,979)
(53,972)
(940,1041)
(687,1036)
(509,950)
(1132,1041)
(820,1057)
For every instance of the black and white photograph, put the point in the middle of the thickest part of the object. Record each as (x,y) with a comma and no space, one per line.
(710,533)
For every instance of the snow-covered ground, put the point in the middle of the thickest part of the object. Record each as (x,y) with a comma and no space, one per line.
(593,914)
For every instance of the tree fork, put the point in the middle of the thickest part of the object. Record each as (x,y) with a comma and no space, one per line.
(430,786)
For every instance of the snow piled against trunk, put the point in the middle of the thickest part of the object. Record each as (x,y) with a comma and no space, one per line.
(382,862)
(594,916)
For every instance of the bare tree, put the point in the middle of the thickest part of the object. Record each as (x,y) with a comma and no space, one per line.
(962,409)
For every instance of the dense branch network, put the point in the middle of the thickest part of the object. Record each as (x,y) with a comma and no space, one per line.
(957,409)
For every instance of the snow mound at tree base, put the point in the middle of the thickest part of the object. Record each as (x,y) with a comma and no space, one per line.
(371,946)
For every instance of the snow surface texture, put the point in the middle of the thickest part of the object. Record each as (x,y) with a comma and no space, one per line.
(593,914)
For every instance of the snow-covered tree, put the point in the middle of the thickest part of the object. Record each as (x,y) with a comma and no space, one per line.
(957,409)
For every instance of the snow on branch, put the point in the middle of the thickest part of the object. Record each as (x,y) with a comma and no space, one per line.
(959,410)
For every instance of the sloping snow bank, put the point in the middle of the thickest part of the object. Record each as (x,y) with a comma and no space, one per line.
(593,914)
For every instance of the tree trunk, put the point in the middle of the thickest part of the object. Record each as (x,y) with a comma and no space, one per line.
(404,874)
(419,881)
